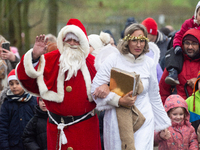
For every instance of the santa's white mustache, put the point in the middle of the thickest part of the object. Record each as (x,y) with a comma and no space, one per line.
(73,46)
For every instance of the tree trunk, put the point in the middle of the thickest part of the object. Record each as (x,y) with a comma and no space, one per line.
(52,17)
(17,40)
(4,18)
(26,28)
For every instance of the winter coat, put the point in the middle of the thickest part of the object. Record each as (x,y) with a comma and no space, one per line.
(14,116)
(188,24)
(194,114)
(53,88)
(183,136)
(198,135)
(190,70)
(35,135)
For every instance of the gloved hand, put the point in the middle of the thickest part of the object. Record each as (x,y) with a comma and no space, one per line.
(177,50)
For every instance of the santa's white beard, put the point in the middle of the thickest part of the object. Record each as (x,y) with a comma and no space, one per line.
(71,60)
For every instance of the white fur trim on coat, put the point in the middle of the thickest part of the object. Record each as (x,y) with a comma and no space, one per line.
(29,69)
(87,79)
(51,95)
(78,32)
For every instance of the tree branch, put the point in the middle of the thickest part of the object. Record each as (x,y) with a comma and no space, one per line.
(41,19)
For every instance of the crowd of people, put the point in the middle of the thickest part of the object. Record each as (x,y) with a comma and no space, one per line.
(58,95)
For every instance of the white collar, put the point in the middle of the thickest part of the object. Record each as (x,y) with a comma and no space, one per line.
(131,58)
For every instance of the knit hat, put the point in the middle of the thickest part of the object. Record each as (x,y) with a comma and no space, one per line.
(191,38)
(95,41)
(98,41)
(150,25)
(77,23)
(76,27)
(12,76)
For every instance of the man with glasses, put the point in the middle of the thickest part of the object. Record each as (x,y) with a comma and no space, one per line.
(190,66)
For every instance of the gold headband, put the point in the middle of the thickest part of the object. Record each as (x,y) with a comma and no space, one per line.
(140,37)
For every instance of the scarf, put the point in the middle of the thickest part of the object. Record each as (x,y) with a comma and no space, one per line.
(25,97)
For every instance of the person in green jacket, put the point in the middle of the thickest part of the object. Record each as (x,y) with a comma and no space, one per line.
(194,104)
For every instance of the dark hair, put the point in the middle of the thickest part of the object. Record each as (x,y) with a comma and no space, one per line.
(165,30)
(129,21)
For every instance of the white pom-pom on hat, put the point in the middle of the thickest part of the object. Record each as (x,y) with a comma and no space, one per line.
(105,38)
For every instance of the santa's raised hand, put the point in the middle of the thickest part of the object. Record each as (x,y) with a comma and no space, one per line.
(40,46)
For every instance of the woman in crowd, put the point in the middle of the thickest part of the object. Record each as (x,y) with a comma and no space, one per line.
(131,58)
(8,56)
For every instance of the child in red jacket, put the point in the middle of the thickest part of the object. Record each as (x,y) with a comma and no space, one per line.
(174,59)
(181,135)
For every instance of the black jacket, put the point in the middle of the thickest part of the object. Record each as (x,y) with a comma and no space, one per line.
(35,135)
(14,117)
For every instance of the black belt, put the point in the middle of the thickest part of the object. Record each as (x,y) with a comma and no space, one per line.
(67,119)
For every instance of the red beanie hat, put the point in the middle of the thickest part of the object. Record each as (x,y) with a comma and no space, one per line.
(151,26)
(191,38)
(11,75)
(77,23)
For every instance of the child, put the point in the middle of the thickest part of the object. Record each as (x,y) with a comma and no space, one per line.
(194,104)
(181,135)
(173,57)
(35,135)
(16,110)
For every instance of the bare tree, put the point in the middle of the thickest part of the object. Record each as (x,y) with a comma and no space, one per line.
(14,20)
(52,16)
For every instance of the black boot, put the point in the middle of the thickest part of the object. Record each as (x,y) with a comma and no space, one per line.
(172,78)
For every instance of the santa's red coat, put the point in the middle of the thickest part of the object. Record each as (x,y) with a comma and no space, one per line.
(81,136)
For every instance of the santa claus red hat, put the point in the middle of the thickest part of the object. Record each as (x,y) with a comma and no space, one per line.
(77,23)
(76,27)
(12,76)
(151,26)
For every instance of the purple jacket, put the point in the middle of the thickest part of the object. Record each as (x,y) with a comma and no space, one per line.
(183,136)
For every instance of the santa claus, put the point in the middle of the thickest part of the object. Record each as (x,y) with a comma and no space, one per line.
(63,79)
